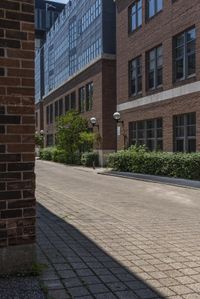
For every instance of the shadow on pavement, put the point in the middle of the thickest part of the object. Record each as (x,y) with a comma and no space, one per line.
(79,268)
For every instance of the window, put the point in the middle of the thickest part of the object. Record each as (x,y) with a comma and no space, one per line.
(155,68)
(82,99)
(185,132)
(56,109)
(147,132)
(60,107)
(184,55)
(67,103)
(135,76)
(73,100)
(70,102)
(135,15)
(36,119)
(49,140)
(51,114)
(47,115)
(93,12)
(153,7)
(89,96)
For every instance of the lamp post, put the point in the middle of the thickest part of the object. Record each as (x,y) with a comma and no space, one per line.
(93,122)
(117,118)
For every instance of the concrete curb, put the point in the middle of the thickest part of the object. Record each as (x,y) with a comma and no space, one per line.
(154,179)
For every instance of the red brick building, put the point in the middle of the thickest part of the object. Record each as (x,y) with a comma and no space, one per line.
(158,73)
(99,77)
(75,69)
(17,127)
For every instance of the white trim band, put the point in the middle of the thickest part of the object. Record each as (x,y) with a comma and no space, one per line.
(161,96)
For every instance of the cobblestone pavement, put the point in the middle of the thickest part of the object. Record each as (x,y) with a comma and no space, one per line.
(20,288)
(107,237)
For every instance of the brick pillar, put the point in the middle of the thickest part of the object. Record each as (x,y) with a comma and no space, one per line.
(17,127)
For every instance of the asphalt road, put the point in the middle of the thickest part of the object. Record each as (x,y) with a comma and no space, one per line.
(148,231)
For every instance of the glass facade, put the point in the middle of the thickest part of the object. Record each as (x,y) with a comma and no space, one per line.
(37,75)
(75,40)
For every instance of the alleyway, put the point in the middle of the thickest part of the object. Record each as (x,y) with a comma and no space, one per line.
(107,237)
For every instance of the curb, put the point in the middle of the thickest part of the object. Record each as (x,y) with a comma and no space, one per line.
(183,183)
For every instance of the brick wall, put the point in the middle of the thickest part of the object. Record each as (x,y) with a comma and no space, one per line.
(172,20)
(175,18)
(17,127)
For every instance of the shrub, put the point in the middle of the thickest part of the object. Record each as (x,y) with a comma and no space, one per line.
(140,160)
(89,159)
(60,156)
(46,153)
(75,158)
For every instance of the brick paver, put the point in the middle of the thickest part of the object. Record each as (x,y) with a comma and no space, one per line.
(107,237)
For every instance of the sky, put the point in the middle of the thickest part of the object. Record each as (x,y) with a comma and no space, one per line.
(61,1)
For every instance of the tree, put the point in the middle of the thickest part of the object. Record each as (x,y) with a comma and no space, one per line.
(73,135)
(39,140)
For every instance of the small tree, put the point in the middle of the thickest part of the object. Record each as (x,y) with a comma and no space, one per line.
(72,134)
(39,140)
(87,139)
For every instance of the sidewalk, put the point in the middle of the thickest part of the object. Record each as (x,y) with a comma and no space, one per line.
(20,288)
(153,178)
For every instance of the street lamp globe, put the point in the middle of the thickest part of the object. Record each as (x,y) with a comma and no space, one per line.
(41,132)
(93,121)
(116,116)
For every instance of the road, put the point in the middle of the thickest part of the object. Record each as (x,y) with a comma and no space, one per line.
(109,237)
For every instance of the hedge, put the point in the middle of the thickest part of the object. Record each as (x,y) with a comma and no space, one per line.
(140,160)
(61,156)
(90,159)
(46,153)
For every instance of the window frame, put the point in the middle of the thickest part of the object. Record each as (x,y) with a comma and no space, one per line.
(47,115)
(69,97)
(60,107)
(156,68)
(185,138)
(56,109)
(130,15)
(145,130)
(89,94)
(81,99)
(130,69)
(184,56)
(156,11)
(51,113)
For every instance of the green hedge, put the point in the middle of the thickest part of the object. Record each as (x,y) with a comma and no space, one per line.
(139,160)
(90,159)
(60,156)
(46,153)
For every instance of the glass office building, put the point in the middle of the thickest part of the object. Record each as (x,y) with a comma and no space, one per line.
(82,33)
(46,12)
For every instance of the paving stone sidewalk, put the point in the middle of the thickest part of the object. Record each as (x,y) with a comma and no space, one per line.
(21,288)
(107,237)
